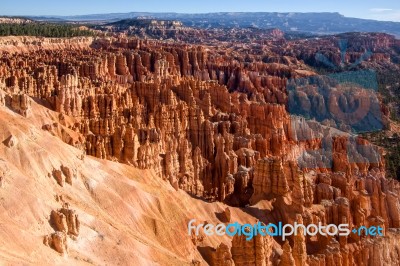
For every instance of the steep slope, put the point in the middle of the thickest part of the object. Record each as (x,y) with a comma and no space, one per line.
(127,216)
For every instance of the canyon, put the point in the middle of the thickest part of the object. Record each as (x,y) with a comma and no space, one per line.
(112,144)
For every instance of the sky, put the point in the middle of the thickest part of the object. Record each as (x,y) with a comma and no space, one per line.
(370,9)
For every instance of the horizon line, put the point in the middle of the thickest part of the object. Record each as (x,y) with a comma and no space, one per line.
(195,13)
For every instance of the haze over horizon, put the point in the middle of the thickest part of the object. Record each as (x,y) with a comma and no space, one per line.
(386,10)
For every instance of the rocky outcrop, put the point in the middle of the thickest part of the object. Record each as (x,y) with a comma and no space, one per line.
(65,222)
(67,172)
(11,141)
(257,251)
(269,179)
(221,256)
(20,103)
(24,44)
(286,257)
(64,175)
(58,241)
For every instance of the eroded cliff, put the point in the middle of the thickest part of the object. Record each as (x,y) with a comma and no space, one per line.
(207,121)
